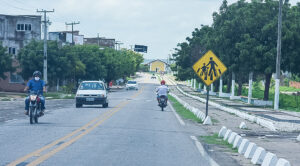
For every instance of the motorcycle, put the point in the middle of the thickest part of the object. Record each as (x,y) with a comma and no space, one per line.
(162,102)
(35,106)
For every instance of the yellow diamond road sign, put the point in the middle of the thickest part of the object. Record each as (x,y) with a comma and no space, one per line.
(209,67)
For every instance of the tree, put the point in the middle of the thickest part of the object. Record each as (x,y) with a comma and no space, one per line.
(291,40)
(244,36)
(5,62)
(31,58)
(63,63)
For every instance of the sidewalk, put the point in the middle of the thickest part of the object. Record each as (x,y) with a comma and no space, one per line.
(281,143)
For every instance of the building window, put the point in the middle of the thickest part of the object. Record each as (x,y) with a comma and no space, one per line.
(15,78)
(12,50)
(27,27)
(23,27)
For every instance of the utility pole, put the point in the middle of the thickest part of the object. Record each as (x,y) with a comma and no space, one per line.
(98,39)
(45,41)
(117,44)
(73,23)
(277,81)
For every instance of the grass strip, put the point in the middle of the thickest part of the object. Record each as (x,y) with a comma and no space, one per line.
(215,140)
(2,95)
(57,95)
(5,99)
(183,112)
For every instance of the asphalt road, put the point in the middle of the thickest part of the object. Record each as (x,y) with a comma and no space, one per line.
(132,131)
(14,110)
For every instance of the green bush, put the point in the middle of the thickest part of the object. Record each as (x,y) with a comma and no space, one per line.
(286,82)
(286,102)
(69,88)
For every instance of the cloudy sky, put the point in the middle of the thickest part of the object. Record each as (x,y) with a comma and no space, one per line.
(159,24)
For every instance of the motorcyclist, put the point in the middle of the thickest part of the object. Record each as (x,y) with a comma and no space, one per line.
(162,90)
(36,84)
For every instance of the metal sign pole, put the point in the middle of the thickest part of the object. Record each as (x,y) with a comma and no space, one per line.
(207,92)
(209,68)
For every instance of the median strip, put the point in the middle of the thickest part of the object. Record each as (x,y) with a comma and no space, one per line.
(182,111)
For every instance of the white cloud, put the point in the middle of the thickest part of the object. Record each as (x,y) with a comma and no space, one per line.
(160,24)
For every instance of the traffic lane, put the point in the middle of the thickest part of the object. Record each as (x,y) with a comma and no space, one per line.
(138,134)
(12,110)
(19,138)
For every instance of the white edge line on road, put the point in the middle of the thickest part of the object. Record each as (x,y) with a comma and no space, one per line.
(203,152)
(177,116)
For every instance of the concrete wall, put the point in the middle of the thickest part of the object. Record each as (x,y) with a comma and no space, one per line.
(8,85)
(159,65)
(10,36)
(65,37)
(101,41)
(295,84)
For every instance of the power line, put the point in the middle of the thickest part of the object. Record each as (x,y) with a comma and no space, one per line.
(24,4)
(15,7)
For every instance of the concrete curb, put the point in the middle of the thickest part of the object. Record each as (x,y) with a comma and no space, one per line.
(227,134)
(199,114)
(222,132)
(263,122)
(237,141)
(283,162)
(258,155)
(243,125)
(270,159)
(250,150)
(207,121)
(232,137)
(244,145)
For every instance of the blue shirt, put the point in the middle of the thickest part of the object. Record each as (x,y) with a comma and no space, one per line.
(36,85)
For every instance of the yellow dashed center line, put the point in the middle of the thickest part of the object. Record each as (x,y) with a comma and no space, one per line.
(87,129)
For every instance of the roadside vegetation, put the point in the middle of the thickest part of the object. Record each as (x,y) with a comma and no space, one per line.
(68,65)
(289,101)
(247,48)
(215,140)
(11,96)
(59,95)
(183,112)
(5,62)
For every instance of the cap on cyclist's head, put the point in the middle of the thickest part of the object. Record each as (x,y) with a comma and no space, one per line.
(163,82)
(37,74)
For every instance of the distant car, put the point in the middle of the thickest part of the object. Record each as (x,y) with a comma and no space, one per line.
(153,77)
(132,85)
(90,93)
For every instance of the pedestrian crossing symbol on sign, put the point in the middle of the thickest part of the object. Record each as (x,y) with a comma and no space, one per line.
(209,68)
